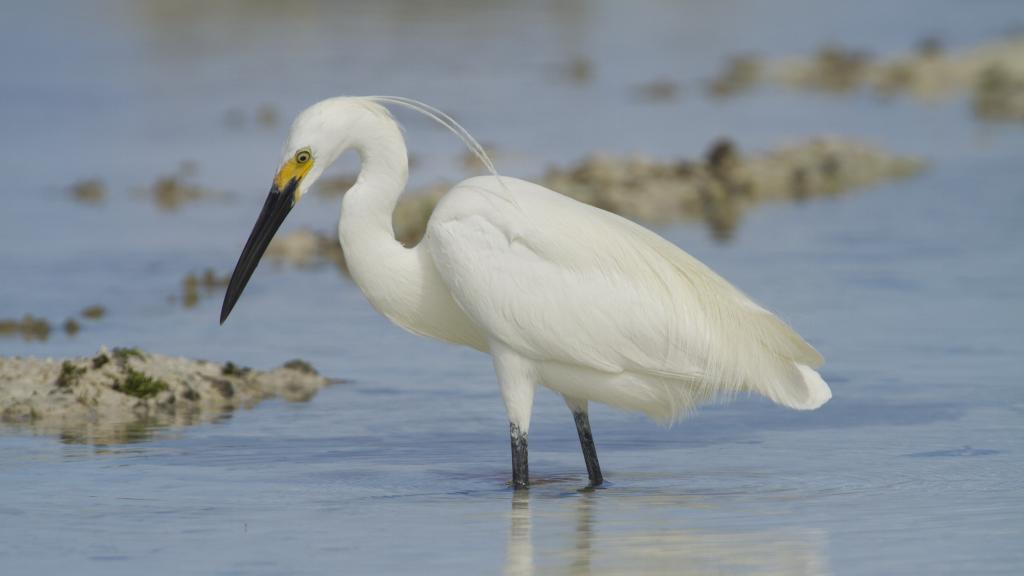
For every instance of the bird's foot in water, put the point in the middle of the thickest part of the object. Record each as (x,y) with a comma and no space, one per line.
(520,462)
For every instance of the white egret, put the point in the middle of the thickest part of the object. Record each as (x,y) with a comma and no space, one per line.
(559,293)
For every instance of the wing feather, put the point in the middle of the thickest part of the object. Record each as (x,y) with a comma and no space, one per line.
(558,280)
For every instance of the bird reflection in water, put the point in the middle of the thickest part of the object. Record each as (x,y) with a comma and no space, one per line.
(519,550)
(629,546)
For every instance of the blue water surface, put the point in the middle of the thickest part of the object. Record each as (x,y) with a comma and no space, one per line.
(911,290)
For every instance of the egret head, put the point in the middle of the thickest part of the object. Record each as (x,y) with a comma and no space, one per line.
(318,136)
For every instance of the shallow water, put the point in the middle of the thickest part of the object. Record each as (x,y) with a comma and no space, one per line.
(911,291)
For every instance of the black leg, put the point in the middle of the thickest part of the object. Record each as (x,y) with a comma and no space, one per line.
(587,443)
(520,463)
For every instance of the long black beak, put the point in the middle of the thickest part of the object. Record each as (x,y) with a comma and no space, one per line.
(279,203)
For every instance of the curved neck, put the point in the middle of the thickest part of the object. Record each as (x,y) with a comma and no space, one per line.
(401,283)
(369,205)
(387,272)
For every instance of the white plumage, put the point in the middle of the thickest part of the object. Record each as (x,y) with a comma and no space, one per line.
(606,309)
(561,294)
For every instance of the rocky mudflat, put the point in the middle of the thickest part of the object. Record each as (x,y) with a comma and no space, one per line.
(90,191)
(32,328)
(719,187)
(306,248)
(197,286)
(120,395)
(171,192)
(992,74)
(29,327)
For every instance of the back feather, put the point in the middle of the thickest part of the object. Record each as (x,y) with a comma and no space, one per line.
(638,304)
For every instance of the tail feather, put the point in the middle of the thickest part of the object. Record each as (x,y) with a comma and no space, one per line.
(811,393)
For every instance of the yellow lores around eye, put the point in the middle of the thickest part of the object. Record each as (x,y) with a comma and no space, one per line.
(294,169)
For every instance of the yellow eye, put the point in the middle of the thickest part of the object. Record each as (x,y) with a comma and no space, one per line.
(302,156)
